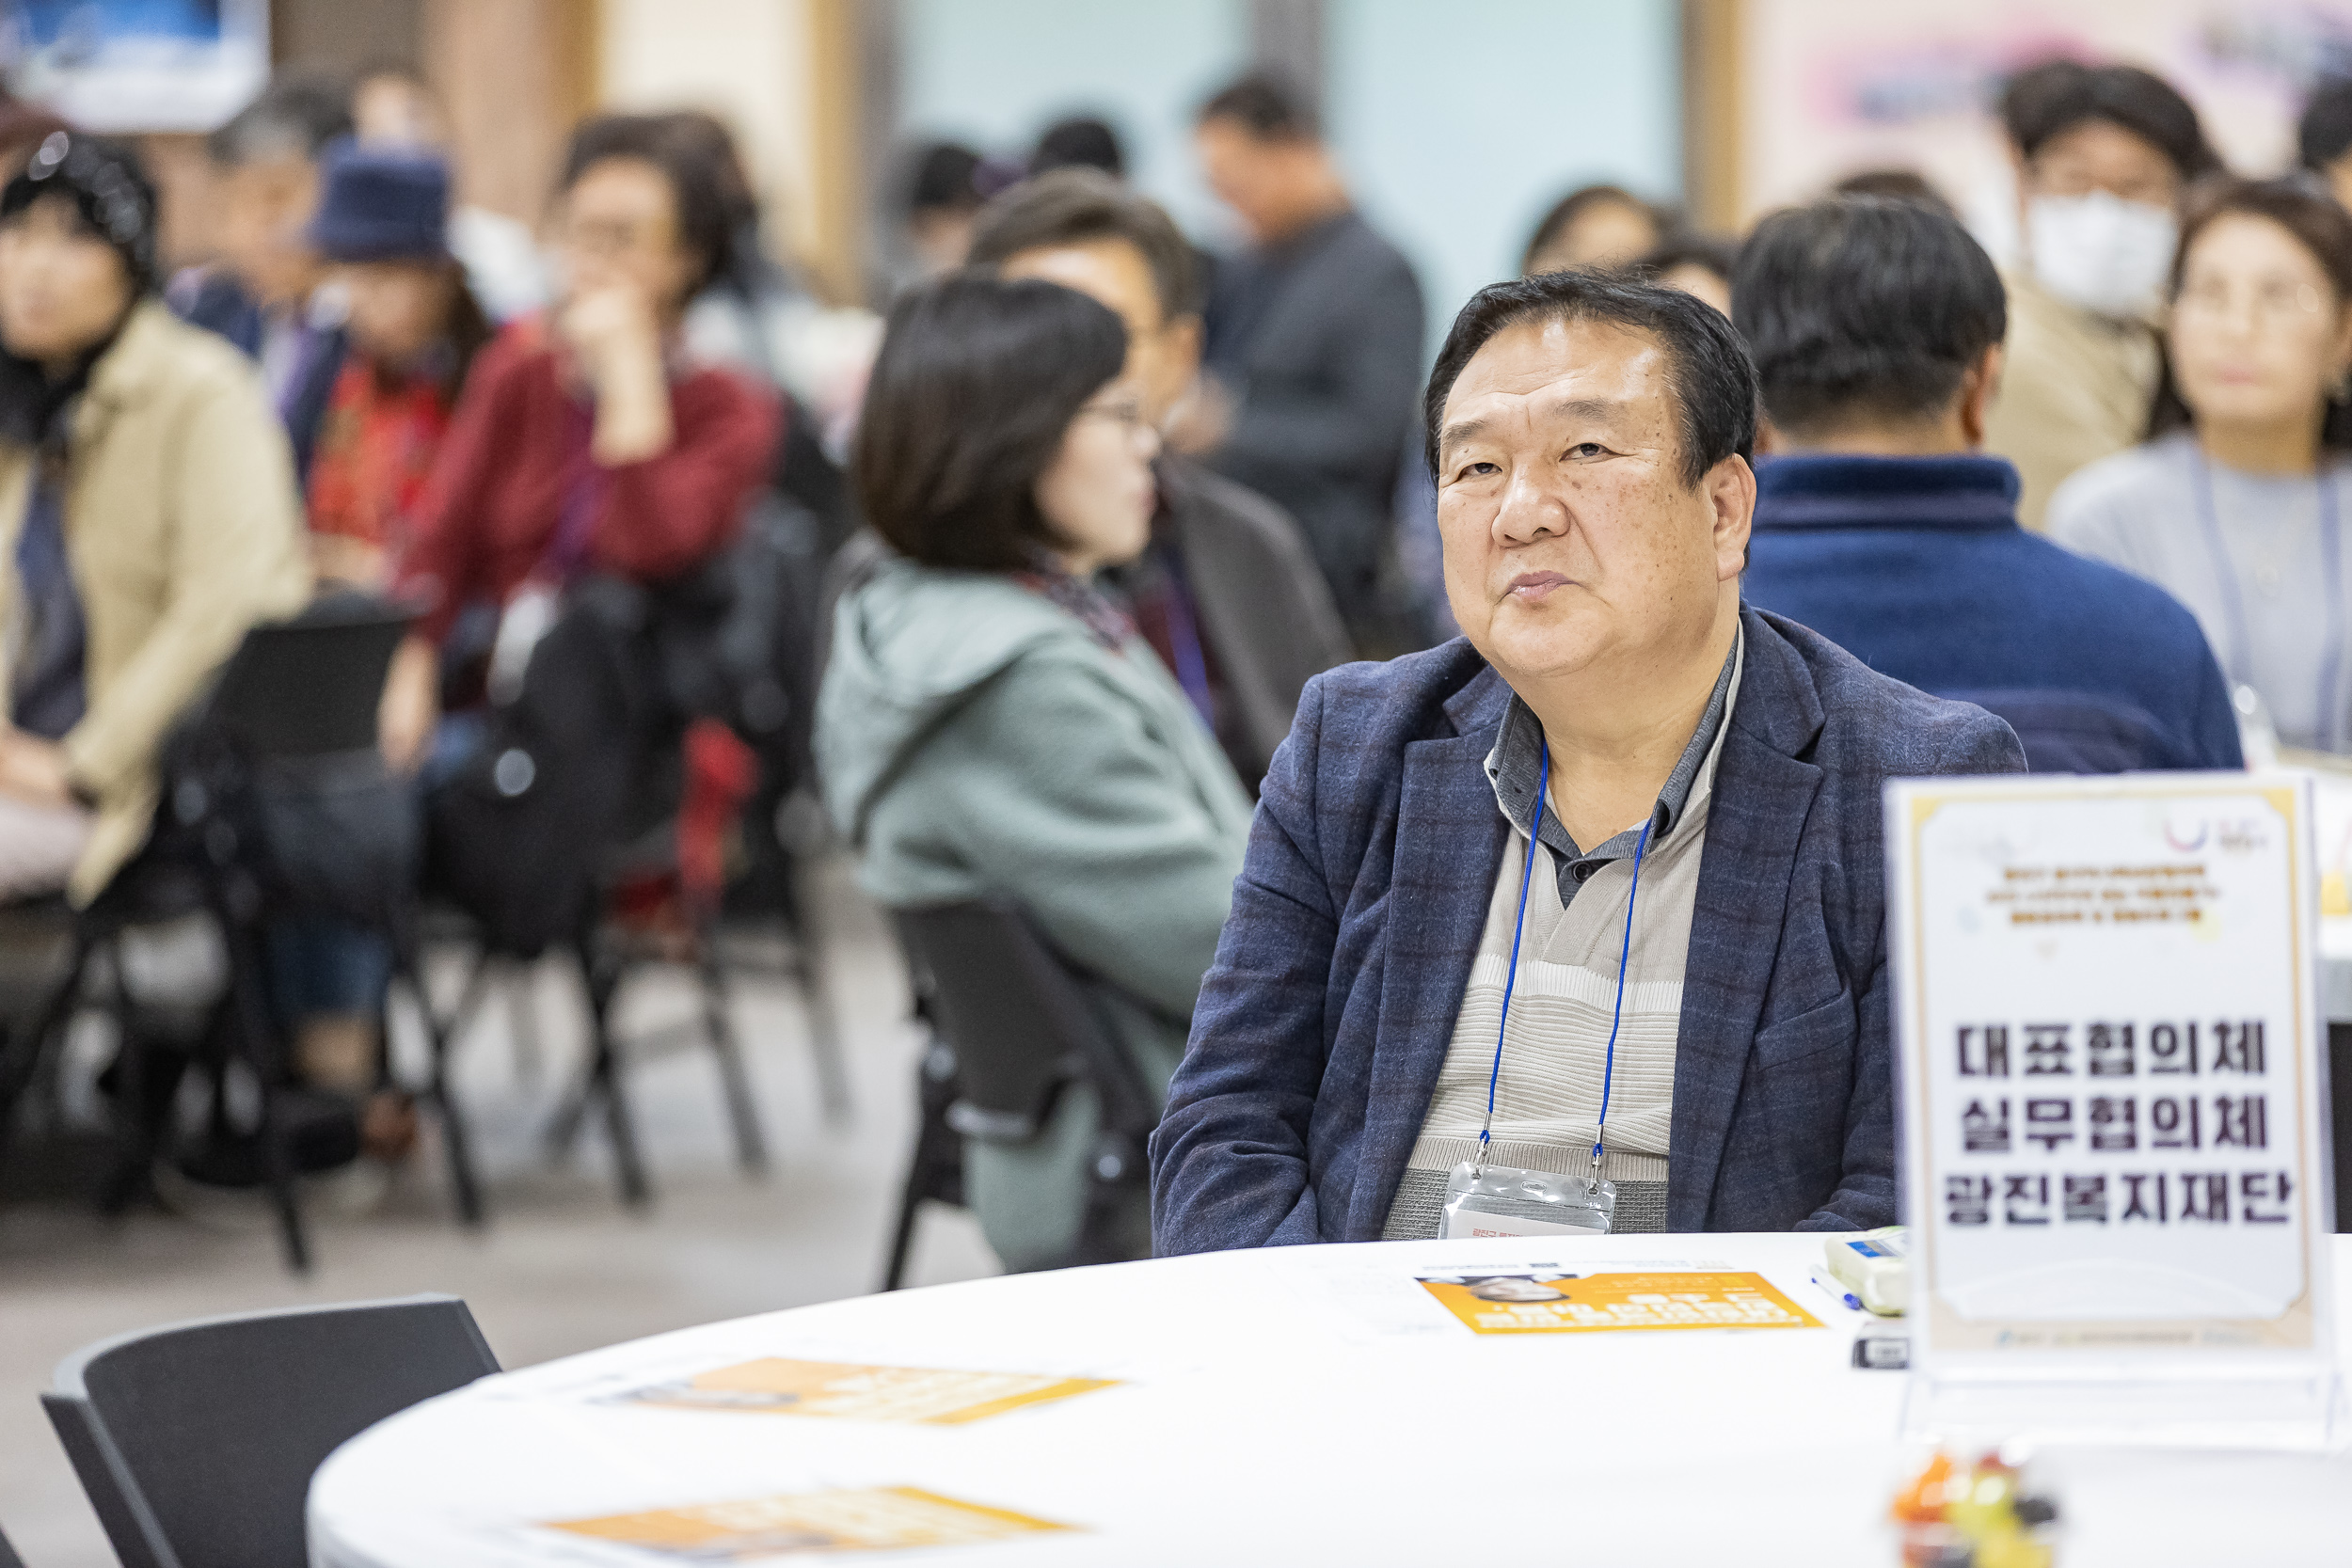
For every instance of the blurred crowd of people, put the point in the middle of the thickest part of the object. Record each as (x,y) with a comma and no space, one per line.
(1110,502)
(372,394)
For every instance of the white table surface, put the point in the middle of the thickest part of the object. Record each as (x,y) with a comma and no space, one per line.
(1298,1405)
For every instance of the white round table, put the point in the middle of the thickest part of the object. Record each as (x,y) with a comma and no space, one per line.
(1291,1405)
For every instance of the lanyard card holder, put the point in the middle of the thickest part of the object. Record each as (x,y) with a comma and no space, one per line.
(1497,1201)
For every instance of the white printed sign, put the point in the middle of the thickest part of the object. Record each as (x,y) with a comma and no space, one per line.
(2110,1058)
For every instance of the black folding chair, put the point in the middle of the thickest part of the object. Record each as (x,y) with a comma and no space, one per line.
(151,890)
(196,1442)
(292,718)
(935,1174)
(608,958)
(586,773)
(1023,1030)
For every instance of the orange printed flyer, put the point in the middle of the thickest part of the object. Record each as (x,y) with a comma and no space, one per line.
(878,1519)
(1546,1302)
(935,1396)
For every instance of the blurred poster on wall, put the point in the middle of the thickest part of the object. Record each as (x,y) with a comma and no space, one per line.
(1830,87)
(136,65)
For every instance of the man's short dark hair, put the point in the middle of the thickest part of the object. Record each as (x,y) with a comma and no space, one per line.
(1896,184)
(1712,381)
(294,117)
(2326,132)
(1265,105)
(942,177)
(2041,101)
(977,382)
(1083,206)
(1862,307)
(701,180)
(1082,141)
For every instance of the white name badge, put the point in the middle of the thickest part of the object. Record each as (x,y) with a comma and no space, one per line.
(1500,1201)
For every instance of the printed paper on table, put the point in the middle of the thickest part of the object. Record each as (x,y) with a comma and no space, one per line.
(856,1519)
(1550,1302)
(935,1396)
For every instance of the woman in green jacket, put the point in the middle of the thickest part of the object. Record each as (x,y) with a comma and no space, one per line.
(991,725)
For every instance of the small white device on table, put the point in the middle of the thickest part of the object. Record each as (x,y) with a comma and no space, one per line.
(2114,1091)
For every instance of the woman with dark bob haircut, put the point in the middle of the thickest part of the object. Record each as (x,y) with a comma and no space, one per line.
(991,725)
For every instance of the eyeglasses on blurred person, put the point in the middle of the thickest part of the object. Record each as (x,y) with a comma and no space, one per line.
(2235,504)
(2101,155)
(992,726)
(1313,348)
(148,515)
(1881,523)
(1226,593)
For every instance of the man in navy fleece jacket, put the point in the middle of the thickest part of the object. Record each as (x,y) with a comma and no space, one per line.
(1876,328)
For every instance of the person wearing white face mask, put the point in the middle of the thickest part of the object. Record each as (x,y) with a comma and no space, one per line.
(2103,154)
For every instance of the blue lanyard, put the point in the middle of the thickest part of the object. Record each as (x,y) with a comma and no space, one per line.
(1510,981)
(2233,597)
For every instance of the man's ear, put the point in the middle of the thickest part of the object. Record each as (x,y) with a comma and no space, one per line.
(1978,385)
(1730,490)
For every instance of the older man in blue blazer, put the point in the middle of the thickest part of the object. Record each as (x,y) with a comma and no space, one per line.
(1594,890)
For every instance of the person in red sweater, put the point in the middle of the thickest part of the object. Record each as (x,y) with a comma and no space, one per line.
(584,443)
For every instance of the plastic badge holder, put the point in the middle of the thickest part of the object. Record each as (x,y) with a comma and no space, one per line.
(1525,1203)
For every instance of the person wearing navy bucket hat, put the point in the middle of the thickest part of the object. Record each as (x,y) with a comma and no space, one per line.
(413,328)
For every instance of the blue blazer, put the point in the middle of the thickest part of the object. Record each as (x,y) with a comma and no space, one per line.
(1324,1021)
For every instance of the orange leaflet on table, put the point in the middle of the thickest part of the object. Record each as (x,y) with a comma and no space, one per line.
(862,1519)
(933,1395)
(1600,1304)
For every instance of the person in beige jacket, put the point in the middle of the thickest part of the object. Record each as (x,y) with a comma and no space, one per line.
(2103,156)
(148,517)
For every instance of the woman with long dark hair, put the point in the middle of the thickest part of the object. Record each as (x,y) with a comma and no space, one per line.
(2237,503)
(992,726)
